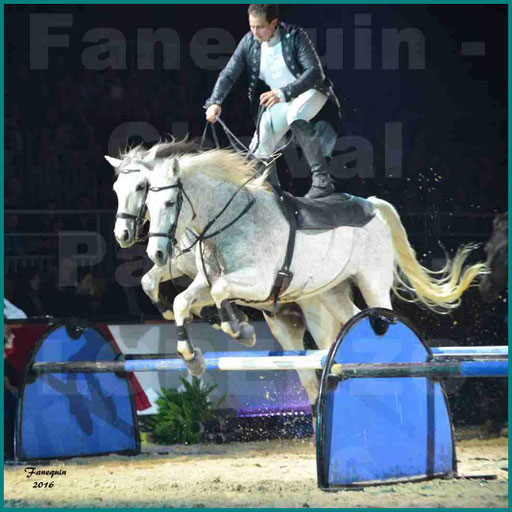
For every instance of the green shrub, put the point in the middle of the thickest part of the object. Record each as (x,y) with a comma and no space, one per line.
(181,414)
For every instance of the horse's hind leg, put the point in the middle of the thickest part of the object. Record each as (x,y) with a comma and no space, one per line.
(375,284)
(375,273)
(288,328)
(323,326)
(339,302)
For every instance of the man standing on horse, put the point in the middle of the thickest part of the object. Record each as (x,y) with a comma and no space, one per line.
(283,58)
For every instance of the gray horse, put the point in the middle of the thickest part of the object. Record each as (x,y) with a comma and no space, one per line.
(241,262)
(323,316)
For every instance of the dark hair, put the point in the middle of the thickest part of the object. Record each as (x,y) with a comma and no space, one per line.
(270,11)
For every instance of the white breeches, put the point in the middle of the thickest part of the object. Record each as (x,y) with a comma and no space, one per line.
(277,119)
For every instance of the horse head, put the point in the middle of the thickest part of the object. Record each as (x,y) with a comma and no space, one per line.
(164,202)
(131,189)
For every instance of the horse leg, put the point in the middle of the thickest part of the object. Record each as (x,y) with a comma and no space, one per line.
(288,328)
(239,327)
(375,283)
(243,283)
(338,302)
(197,294)
(324,328)
(151,286)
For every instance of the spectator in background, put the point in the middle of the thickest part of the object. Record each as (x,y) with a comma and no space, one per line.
(87,294)
(10,394)
(71,293)
(28,296)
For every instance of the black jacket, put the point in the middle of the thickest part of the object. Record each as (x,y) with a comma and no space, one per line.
(300,57)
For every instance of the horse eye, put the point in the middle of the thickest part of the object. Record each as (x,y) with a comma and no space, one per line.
(169,204)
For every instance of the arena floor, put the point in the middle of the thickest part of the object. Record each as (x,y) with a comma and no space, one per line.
(277,473)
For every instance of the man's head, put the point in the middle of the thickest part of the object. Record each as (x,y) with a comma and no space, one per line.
(263,19)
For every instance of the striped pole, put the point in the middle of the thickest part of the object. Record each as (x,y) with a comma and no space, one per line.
(263,361)
(496,368)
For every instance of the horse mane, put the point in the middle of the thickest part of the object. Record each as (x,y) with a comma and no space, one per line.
(164,149)
(225,165)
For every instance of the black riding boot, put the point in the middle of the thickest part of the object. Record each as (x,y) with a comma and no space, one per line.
(308,140)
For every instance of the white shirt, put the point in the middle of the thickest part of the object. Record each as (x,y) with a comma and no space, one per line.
(273,69)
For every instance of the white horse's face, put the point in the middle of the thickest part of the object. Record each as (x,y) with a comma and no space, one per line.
(130,188)
(163,208)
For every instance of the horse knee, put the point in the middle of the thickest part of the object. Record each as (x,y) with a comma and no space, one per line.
(219,291)
(181,309)
(150,287)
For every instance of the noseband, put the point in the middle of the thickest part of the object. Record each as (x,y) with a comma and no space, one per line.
(170,235)
(140,219)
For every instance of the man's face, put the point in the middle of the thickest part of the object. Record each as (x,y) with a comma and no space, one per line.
(261,29)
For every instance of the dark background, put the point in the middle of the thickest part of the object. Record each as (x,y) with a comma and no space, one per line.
(453,112)
(59,122)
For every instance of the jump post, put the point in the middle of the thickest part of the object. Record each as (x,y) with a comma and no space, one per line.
(382,409)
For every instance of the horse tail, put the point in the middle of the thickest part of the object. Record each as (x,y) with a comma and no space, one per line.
(440,290)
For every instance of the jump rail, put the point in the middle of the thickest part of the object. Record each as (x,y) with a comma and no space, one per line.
(370,427)
(458,365)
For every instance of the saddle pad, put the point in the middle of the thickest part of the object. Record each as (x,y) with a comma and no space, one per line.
(329,212)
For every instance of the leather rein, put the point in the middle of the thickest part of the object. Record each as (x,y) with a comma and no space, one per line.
(204,235)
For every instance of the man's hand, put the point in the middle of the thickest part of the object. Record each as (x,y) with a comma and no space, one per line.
(269,98)
(212,112)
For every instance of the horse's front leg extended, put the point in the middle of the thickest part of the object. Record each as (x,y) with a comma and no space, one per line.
(151,286)
(197,295)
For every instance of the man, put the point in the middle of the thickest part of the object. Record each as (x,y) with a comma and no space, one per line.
(284,58)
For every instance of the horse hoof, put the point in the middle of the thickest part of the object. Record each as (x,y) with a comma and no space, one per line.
(226,327)
(168,315)
(247,335)
(196,366)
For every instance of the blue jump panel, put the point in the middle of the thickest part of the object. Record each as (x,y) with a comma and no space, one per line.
(71,415)
(381,430)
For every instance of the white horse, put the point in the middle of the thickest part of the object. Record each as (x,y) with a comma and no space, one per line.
(241,261)
(322,316)
(131,187)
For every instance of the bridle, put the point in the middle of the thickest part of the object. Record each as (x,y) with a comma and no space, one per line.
(171,234)
(139,220)
(199,238)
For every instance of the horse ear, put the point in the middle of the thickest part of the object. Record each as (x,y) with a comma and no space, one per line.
(151,154)
(174,168)
(114,162)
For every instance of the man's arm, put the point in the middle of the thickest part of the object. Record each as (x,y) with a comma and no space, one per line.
(313,73)
(229,75)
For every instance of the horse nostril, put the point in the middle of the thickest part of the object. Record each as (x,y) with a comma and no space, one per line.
(160,255)
(126,235)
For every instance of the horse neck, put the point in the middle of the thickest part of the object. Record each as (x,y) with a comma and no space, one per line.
(208,196)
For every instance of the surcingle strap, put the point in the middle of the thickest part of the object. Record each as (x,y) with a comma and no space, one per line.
(284,276)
